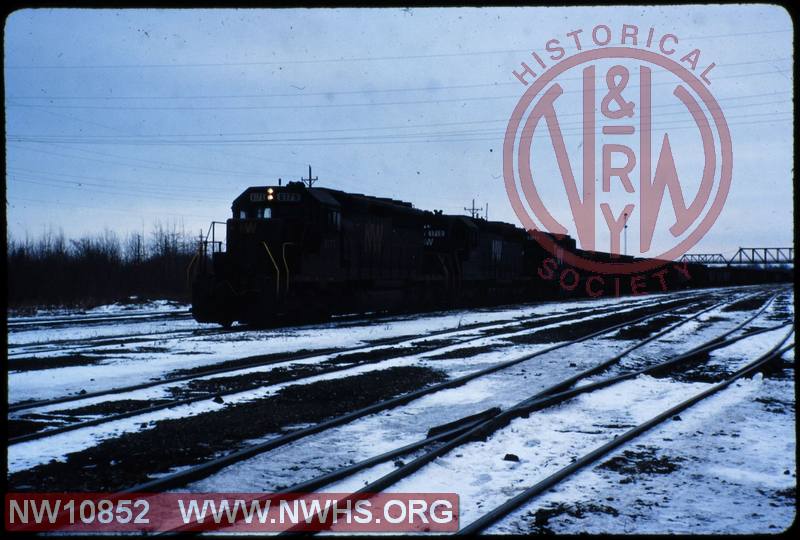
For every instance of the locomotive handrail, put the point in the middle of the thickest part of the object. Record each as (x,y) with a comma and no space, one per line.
(212,231)
(189,268)
(285,263)
(277,270)
(446,271)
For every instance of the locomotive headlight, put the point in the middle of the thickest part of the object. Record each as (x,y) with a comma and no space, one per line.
(270,197)
(270,191)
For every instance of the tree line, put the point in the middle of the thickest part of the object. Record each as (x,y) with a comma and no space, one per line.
(52,270)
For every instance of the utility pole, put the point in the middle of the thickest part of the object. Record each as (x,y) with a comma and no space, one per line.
(626,233)
(309,181)
(473,210)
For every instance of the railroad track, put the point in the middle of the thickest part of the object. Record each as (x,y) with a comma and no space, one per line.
(97,343)
(446,437)
(78,344)
(205,396)
(115,340)
(81,344)
(145,337)
(479,427)
(19,325)
(205,469)
(501,511)
(388,344)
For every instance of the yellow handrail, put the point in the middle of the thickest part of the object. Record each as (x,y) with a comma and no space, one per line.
(286,264)
(189,268)
(446,271)
(277,270)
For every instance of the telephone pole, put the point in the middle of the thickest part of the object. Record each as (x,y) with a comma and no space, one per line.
(626,233)
(309,181)
(473,210)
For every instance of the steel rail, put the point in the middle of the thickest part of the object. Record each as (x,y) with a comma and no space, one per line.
(305,355)
(349,470)
(194,399)
(548,398)
(67,321)
(462,426)
(509,506)
(204,469)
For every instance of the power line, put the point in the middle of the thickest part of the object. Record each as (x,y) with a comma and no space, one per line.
(342,59)
(347,92)
(113,190)
(62,205)
(354,138)
(424,138)
(373,128)
(182,190)
(318,105)
(206,150)
(165,165)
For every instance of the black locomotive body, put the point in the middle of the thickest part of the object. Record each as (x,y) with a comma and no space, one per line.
(297,250)
(293,251)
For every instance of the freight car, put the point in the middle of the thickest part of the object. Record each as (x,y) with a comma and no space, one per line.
(302,252)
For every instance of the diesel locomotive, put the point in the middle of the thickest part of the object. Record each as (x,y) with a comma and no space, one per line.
(293,251)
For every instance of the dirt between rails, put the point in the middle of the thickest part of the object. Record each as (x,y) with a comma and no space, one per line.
(130,458)
(748,304)
(35,423)
(632,463)
(37,363)
(645,329)
(467,352)
(537,323)
(780,309)
(539,521)
(16,428)
(90,358)
(582,328)
(102,345)
(697,369)
(238,383)
(250,361)
(644,461)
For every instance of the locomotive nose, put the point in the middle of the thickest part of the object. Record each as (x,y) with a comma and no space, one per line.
(213,301)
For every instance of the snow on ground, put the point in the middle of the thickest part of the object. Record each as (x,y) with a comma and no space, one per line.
(410,423)
(735,473)
(55,341)
(133,307)
(502,389)
(550,439)
(28,454)
(544,442)
(165,354)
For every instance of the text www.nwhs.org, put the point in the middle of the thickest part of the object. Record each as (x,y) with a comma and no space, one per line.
(83,512)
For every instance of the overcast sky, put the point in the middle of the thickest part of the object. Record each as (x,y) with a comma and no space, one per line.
(120,118)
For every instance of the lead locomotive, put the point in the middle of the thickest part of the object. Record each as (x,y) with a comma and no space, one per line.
(294,250)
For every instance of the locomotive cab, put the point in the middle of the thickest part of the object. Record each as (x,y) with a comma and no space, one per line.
(273,232)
